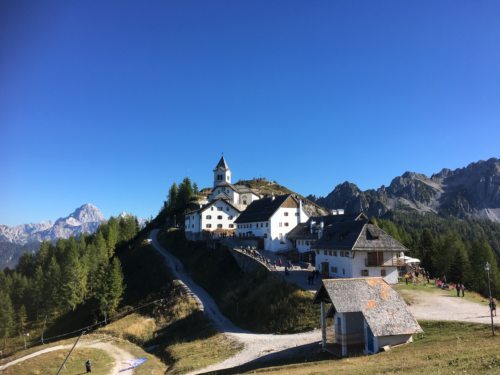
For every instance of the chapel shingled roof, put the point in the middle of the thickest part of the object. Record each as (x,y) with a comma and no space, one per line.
(384,309)
(262,209)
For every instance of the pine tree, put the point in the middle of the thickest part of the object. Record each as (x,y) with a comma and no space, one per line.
(6,316)
(21,320)
(111,235)
(74,280)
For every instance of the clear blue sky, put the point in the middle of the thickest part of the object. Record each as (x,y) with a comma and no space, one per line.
(109,102)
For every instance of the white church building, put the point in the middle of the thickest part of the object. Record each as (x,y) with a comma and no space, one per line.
(217,214)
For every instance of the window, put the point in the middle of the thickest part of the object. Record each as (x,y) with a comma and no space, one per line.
(230,217)
(227,208)
(286,224)
(324,252)
(383,273)
(231,226)
(219,217)
(244,201)
(364,273)
(211,208)
(192,226)
(341,253)
(330,252)
(219,208)
(209,217)
(343,271)
(334,269)
(286,213)
(346,253)
(335,253)
(265,235)
(209,226)
(219,226)
(267,224)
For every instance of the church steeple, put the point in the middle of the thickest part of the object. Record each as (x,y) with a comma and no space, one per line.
(222,173)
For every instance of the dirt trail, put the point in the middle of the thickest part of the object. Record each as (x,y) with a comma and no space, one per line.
(443,306)
(120,356)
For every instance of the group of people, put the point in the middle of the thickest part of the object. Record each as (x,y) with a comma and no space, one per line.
(413,272)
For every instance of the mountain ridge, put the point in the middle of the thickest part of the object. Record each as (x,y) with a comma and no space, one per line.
(471,191)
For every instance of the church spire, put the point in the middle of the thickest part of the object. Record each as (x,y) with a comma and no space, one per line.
(222,163)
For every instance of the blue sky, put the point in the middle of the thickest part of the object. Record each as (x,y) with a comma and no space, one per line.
(109,102)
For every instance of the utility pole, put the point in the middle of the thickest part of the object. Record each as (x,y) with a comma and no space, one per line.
(487,269)
(71,351)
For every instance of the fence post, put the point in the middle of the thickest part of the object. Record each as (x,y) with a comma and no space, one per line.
(71,351)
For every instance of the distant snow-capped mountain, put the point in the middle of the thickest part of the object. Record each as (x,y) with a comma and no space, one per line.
(85,219)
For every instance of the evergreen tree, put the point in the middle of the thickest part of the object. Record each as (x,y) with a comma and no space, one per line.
(21,320)
(111,235)
(6,316)
(74,280)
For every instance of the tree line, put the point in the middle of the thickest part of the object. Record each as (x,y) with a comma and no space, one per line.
(179,198)
(61,276)
(451,247)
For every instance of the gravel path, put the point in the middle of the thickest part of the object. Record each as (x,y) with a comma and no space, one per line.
(442,306)
(119,355)
(256,346)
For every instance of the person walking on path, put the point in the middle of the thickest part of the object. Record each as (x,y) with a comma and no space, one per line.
(493,307)
(462,288)
(88,366)
(457,287)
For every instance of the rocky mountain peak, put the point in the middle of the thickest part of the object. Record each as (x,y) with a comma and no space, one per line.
(88,213)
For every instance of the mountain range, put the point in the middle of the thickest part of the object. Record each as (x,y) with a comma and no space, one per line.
(14,241)
(473,191)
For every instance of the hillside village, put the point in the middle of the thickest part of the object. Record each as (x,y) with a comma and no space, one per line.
(337,244)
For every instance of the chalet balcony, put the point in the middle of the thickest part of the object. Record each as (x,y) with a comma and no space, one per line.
(377,259)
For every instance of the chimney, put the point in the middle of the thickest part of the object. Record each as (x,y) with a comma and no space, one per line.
(312,226)
(320,230)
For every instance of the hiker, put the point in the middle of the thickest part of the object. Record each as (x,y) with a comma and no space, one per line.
(427,276)
(457,287)
(88,366)
(462,288)
(406,277)
(493,307)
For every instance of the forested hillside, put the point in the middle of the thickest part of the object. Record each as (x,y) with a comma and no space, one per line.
(457,248)
(63,276)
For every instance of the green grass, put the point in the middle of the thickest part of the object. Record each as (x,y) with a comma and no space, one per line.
(444,348)
(255,301)
(49,363)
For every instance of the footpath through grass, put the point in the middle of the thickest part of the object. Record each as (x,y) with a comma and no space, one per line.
(255,301)
(49,363)
(444,348)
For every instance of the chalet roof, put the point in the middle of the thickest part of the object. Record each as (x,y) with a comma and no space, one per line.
(204,207)
(383,308)
(357,236)
(262,209)
(242,189)
(222,164)
(303,231)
